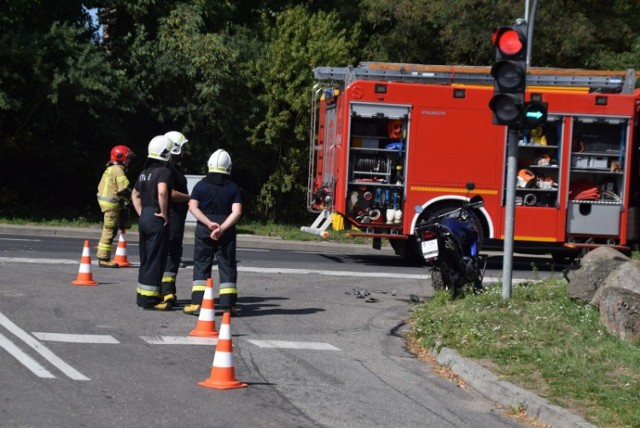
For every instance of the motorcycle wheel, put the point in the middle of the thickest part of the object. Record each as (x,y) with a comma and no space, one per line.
(450,278)
(477,285)
(436,279)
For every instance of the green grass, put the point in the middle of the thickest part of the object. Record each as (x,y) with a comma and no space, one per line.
(544,342)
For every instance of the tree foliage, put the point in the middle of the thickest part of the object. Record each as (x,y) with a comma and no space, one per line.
(234,75)
(297,42)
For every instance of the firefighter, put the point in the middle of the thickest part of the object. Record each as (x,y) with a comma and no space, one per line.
(151,196)
(216,203)
(178,209)
(114,195)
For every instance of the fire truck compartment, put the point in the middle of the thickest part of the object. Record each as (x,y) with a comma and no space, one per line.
(593,218)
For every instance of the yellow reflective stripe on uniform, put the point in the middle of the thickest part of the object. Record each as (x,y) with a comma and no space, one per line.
(104,246)
(168,279)
(199,285)
(148,290)
(229,290)
(105,200)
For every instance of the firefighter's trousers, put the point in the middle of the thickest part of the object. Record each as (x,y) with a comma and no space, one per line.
(109,232)
(154,246)
(224,250)
(176,235)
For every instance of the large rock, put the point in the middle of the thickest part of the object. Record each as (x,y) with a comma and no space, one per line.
(619,301)
(595,266)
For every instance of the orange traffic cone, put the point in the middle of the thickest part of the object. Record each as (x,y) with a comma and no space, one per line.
(206,325)
(85,277)
(121,252)
(223,375)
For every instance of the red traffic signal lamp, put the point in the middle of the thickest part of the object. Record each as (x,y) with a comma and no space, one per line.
(510,74)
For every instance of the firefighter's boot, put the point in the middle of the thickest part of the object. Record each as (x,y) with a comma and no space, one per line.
(170,299)
(164,306)
(191,309)
(106,263)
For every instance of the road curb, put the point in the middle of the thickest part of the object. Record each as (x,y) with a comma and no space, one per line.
(507,394)
(244,240)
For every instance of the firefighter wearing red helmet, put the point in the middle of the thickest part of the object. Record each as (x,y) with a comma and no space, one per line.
(114,196)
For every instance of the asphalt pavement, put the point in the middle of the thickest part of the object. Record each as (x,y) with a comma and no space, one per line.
(476,376)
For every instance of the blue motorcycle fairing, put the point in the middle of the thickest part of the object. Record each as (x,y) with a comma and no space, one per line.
(465,231)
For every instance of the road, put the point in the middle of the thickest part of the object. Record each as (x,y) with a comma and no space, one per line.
(312,353)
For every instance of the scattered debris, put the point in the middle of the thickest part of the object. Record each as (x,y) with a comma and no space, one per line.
(363,293)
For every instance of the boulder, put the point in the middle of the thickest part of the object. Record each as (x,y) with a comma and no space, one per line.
(586,278)
(619,301)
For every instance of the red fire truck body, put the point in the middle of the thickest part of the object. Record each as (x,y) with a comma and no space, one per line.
(388,137)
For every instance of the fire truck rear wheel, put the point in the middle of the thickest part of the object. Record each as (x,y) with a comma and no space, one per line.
(408,250)
(566,256)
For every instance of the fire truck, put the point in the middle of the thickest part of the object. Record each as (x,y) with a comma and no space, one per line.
(386,137)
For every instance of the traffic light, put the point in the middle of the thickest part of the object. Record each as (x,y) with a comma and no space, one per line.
(510,74)
(535,113)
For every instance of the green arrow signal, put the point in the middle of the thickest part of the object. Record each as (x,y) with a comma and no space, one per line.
(534,114)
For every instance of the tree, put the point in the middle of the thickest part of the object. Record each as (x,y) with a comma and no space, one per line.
(297,42)
(55,92)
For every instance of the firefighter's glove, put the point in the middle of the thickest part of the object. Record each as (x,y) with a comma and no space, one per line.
(125,193)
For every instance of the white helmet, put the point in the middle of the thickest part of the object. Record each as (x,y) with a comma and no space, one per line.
(160,148)
(220,161)
(178,140)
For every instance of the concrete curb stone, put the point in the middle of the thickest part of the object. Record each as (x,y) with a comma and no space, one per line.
(507,394)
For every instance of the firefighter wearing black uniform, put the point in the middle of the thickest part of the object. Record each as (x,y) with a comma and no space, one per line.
(178,209)
(216,203)
(151,196)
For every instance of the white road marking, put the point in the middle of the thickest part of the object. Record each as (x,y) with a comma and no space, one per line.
(179,340)
(39,261)
(24,359)
(487,279)
(332,273)
(41,349)
(243,269)
(75,338)
(18,239)
(284,344)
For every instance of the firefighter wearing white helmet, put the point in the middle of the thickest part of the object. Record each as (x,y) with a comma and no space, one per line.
(216,203)
(178,208)
(151,196)
(220,161)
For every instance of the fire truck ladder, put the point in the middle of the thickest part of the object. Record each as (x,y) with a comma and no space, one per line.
(596,81)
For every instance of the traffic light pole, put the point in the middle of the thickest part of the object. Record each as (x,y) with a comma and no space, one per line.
(509,208)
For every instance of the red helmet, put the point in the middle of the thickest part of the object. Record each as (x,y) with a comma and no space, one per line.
(121,153)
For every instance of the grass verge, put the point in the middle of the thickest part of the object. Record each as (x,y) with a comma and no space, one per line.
(544,342)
